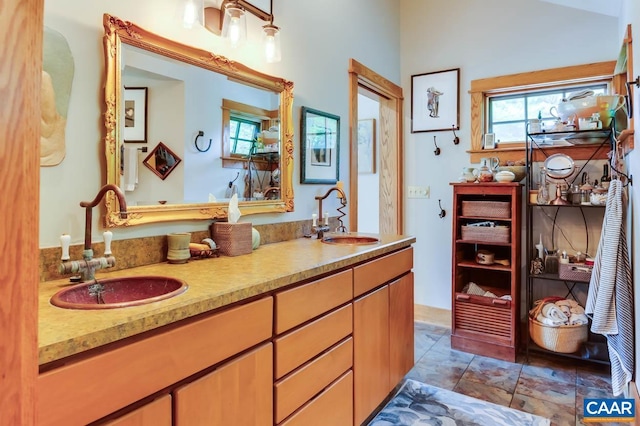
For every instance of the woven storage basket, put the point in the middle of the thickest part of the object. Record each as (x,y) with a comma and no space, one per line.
(575,272)
(232,239)
(488,209)
(496,234)
(564,339)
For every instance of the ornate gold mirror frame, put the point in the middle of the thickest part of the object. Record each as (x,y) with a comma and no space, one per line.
(118,32)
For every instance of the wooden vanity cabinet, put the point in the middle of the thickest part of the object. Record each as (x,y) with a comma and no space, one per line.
(382,329)
(313,347)
(237,393)
(80,392)
(155,413)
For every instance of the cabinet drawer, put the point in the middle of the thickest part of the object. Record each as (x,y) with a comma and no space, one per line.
(296,389)
(299,346)
(334,406)
(148,365)
(377,272)
(483,315)
(293,307)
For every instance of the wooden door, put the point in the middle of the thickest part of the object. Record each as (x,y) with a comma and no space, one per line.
(21,23)
(401,351)
(391,148)
(238,393)
(371,352)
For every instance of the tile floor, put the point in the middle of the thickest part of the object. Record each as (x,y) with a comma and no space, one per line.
(552,387)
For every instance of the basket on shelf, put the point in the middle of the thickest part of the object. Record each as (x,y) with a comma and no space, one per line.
(488,209)
(564,339)
(489,234)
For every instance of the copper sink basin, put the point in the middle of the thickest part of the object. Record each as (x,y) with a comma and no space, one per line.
(349,239)
(112,293)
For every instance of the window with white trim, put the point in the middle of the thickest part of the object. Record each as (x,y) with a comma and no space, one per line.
(508,113)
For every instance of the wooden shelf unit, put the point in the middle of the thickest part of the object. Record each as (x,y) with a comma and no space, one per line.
(487,326)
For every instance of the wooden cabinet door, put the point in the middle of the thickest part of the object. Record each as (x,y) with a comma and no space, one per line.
(400,328)
(155,413)
(371,352)
(238,393)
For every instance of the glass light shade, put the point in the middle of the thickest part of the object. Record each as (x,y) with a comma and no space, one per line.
(234,25)
(191,12)
(271,42)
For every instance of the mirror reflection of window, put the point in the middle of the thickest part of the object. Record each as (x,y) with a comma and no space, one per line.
(243,134)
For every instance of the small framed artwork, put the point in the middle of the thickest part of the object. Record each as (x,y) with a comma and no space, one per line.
(489,141)
(435,101)
(161,161)
(135,114)
(367,146)
(320,146)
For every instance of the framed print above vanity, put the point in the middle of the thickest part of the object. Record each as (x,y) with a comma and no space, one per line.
(186,87)
(319,146)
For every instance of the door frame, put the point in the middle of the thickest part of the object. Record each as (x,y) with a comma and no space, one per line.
(391,148)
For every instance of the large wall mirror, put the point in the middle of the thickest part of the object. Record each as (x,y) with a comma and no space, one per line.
(231,126)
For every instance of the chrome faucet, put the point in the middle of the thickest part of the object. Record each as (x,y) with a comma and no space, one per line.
(319,228)
(88,265)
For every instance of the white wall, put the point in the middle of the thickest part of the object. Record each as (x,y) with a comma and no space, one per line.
(318,39)
(483,39)
(631,15)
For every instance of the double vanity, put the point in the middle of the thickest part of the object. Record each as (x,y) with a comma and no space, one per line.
(296,333)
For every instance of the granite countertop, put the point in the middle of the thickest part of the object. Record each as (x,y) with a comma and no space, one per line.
(213,283)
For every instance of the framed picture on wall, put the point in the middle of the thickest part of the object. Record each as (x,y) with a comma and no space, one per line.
(435,101)
(367,146)
(320,146)
(135,114)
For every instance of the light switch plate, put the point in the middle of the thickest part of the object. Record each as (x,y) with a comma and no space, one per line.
(419,192)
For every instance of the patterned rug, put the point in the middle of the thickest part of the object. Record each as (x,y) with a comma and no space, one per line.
(418,404)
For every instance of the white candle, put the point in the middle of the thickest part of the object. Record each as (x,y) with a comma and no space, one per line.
(107,235)
(65,241)
(326,218)
(314,217)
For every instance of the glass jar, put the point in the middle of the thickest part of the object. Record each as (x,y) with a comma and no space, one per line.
(551,262)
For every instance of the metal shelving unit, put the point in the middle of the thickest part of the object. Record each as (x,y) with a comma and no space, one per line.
(538,149)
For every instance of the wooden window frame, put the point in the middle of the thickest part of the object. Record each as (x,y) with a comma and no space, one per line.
(549,78)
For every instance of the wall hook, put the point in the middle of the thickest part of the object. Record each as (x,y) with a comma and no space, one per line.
(442,213)
(437,150)
(628,97)
(201,133)
(456,139)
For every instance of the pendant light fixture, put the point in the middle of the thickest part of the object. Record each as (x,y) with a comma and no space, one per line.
(234,24)
(191,12)
(271,40)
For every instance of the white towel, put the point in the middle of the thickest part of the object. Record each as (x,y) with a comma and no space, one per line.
(130,168)
(610,298)
(553,312)
(549,321)
(578,319)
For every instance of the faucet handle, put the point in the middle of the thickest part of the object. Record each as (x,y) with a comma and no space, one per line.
(107,235)
(65,241)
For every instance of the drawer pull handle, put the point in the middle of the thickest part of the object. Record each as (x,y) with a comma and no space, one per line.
(462,297)
(499,302)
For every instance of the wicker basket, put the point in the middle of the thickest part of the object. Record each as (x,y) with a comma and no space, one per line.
(488,209)
(496,234)
(564,339)
(232,239)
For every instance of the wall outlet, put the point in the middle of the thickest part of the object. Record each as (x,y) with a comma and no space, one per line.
(419,192)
